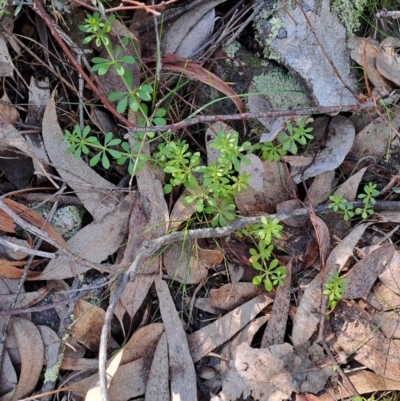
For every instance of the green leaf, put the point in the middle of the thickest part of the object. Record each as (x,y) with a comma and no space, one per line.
(115,96)
(167,188)
(200,206)
(190,199)
(120,70)
(95,159)
(121,106)
(100,60)
(127,59)
(268,285)
(160,112)
(144,95)
(114,142)
(105,161)
(159,121)
(257,266)
(257,280)
(114,153)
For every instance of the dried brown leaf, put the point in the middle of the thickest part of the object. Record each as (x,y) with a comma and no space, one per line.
(337,146)
(31,350)
(9,269)
(275,190)
(94,242)
(182,263)
(8,375)
(383,298)
(364,52)
(98,196)
(185,36)
(390,275)
(363,275)
(6,64)
(388,323)
(157,388)
(129,382)
(374,139)
(356,335)
(212,336)
(230,296)
(89,321)
(274,373)
(181,211)
(363,380)
(275,332)
(321,187)
(181,368)
(9,113)
(94,393)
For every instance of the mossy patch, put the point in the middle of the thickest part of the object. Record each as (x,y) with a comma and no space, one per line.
(281,89)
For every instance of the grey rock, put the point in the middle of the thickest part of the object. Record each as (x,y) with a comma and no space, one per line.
(301,54)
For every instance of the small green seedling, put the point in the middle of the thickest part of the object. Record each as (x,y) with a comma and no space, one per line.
(263,234)
(286,141)
(368,198)
(333,289)
(272,274)
(341,205)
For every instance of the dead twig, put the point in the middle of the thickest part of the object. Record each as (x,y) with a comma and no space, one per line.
(266,114)
(136,5)
(40,308)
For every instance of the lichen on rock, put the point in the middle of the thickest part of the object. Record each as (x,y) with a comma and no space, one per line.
(349,12)
(267,28)
(281,89)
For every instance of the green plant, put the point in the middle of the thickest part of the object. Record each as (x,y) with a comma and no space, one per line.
(220,181)
(262,234)
(298,134)
(333,289)
(286,141)
(368,198)
(80,143)
(341,205)
(3,8)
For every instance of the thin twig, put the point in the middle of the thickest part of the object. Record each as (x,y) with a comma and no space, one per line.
(40,308)
(28,251)
(271,113)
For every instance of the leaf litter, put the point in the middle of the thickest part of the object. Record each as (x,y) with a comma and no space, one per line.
(221,337)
